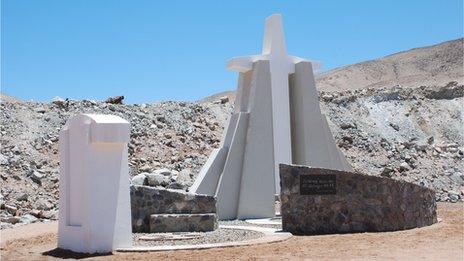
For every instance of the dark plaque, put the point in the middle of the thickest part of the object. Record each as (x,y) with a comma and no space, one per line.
(318,184)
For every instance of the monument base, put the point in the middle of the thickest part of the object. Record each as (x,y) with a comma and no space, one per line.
(164,210)
(323,201)
(160,223)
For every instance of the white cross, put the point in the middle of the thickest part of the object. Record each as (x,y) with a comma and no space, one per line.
(281,65)
(273,49)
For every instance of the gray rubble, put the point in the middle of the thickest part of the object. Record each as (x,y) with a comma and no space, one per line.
(220,235)
(412,134)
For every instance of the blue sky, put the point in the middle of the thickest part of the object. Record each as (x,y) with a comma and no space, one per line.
(177,50)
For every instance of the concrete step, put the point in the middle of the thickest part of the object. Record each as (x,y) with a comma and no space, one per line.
(183,222)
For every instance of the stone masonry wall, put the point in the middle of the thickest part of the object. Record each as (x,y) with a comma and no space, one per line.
(331,201)
(146,201)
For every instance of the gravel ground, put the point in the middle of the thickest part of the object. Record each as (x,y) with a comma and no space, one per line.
(442,241)
(220,235)
(244,223)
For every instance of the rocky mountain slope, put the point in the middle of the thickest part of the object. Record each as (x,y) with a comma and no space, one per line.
(426,66)
(7,98)
(413,134)
(409,133)
(174,135)
(434,65)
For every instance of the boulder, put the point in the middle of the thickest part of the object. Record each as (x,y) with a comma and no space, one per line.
(10,209)
(404,166)
(4,225)
(11,220)
(22,197)
(43,204)
(156,179)
(28,218)
(387,172)
(59,102)
(139,180)
(164,172)
(115,100)
(37,177)
(176,185)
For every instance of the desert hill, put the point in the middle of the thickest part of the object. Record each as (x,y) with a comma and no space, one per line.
(426,66)
(434,65)
(7,98)
(402,132)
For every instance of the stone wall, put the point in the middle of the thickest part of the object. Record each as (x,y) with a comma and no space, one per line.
(182,222)
(146,201)
(321,201)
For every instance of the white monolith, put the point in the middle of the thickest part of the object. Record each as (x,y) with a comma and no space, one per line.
(94,184)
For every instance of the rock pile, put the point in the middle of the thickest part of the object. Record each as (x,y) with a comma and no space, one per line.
(170,141)
(414,135)
(165,178)
(408,134)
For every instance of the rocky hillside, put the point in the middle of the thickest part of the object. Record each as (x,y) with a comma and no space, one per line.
(426,66)
(173,135)
(7,98)
(434,65)
(408,132)
(411,134)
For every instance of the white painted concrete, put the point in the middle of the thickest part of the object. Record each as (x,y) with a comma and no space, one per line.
(277,119)
(265,221)
(228,189)
(309,141)
(245,181)
(94,184)
(312,142)
(208,178)
(281,65)
(257,187)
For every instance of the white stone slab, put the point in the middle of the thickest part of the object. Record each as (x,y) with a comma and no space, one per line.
(257,187)
(243,92)
(208,178)
(228,189)
(94,184)
(309,141)
(312,142)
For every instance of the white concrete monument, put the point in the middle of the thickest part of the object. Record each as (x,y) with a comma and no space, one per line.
(94,184)
(277,119)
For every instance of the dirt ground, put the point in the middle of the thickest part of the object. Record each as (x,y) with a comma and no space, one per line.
(442,241)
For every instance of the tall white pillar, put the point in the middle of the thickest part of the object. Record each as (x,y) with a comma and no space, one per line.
(94,184)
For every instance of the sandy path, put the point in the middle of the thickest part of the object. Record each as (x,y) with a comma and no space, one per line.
(29,231)
(443,241)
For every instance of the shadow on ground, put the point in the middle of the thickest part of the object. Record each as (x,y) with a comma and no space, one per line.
(68,254)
